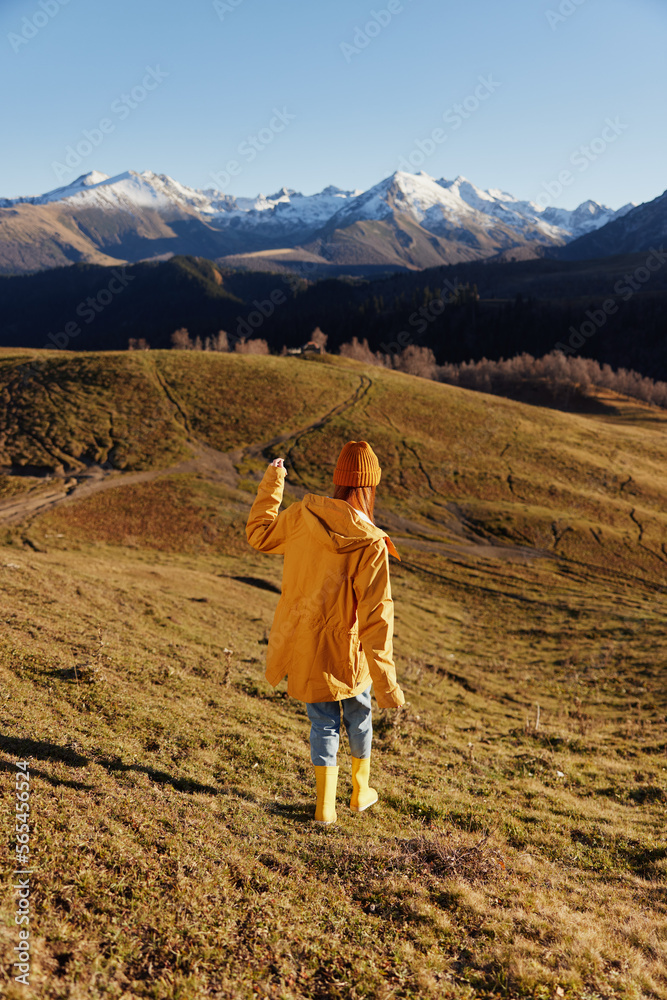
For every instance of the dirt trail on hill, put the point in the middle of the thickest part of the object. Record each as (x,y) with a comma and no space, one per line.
(214,465)
(217,466)
(221,467)
(259,450)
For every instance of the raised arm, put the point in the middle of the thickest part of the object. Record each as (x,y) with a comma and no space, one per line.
(265,529)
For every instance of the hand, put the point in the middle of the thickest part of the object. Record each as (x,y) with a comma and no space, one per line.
(278,463)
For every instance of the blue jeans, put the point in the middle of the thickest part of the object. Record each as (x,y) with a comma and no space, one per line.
(325,728)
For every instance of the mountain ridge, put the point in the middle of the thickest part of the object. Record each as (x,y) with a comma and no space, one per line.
(643,227)
(406,221)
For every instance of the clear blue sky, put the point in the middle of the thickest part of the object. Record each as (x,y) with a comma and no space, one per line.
(356,114)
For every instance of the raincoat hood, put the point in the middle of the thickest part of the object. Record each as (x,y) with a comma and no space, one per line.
(337,526)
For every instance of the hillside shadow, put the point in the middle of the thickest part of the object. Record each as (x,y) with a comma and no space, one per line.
(112,764)
(566,399)
(255,581)
(24,748)
(80,786)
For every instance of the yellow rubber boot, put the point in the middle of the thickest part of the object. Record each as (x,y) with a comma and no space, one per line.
(362,795)
(326,780)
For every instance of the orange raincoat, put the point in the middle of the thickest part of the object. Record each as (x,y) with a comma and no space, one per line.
(333,628)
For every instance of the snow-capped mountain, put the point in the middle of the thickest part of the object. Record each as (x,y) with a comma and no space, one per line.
(130,189)
(407,220)
(150,190)
(459,202)
(644,228)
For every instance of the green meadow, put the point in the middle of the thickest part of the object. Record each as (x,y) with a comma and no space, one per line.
(519,846)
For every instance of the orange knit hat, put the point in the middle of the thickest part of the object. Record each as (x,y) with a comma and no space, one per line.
(357,465)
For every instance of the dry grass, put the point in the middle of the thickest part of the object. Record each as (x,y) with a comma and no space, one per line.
(447,858)
(172,787)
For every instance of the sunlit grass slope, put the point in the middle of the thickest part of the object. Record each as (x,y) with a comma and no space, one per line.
(515,851)
(135,409)
(590,488)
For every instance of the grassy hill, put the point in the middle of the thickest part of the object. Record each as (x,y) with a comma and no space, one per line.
(515,851)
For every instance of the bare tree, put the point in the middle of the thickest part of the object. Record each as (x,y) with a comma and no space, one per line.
(417,361)
(221,341)
(319,338)
(359,352)
(252,346)
(181,340)
(561,373)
